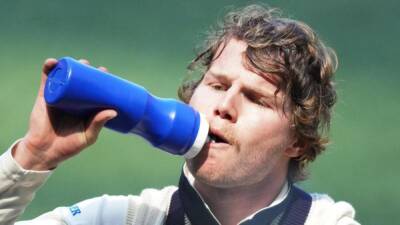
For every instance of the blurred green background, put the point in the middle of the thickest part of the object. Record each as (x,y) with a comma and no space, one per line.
(151,42)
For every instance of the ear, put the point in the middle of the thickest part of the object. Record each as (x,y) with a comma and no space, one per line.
(295,150)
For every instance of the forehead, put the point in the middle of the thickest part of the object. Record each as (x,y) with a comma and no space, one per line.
(229,64)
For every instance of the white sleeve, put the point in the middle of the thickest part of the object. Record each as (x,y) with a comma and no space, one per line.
(325,210)
(96,211)
(17,187)
(150,207)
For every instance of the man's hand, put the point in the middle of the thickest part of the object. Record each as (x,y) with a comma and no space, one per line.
(54,136)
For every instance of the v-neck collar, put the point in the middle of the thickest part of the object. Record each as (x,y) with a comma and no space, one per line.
(199,213)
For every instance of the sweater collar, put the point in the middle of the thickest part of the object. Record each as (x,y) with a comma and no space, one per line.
(199,212)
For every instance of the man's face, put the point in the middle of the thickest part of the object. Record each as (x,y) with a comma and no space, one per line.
(252,139)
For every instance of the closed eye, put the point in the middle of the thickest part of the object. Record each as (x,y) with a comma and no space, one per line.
(257,100)
(217,86)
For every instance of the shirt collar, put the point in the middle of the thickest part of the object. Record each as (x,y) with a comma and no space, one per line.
(283,194)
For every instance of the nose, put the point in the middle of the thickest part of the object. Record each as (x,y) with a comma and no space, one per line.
(227,108)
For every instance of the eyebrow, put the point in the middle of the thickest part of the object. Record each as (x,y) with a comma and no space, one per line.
(254,90)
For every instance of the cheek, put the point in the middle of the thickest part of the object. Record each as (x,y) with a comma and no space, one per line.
(265,128)
(202,100)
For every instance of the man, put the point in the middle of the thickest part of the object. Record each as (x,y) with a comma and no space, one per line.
(267,93)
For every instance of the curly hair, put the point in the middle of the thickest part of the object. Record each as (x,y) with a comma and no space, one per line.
(290,51)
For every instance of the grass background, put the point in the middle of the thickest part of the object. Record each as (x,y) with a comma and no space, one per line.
(151,42)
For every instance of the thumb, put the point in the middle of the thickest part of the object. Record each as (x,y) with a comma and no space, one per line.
(96,123)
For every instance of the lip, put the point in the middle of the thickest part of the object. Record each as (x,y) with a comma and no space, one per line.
(220,145)
(220,135)
(214,149)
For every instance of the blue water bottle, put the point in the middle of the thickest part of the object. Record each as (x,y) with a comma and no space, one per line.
(167,124)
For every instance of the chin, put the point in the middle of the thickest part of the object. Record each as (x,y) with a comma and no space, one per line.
(211,174)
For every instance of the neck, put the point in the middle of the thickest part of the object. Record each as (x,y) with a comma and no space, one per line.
(231,205)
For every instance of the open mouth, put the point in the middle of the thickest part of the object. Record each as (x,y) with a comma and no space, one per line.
(215,138)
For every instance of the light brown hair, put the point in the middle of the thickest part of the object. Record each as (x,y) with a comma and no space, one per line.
(291,52)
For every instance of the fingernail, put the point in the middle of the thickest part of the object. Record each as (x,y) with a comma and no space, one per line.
(112,115)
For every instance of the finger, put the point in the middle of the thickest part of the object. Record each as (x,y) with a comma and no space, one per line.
(48,65)
(102,68)
(94,127)
(84,61)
